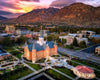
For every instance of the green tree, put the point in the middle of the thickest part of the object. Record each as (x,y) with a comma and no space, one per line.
(75,43)
(71,46)
(7,41)
(21,39)
(63,41)
(82,44)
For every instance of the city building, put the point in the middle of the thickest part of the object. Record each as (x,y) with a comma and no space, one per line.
(84,72)
(40,49)
(45,32)
(97,37)
(85,33)
(97,50)
(3,54)
(70,38)
(22,31)
(10,29)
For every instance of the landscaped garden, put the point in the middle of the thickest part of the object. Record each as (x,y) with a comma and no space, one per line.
(16,74)
(86,62)
(16,53)
(41,60)
(56,75)
(66,71)
(35,66)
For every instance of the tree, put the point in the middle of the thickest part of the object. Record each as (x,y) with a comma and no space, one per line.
(75,43)
(63,41)
(59,41)
(21,39)
(7,41)
(82,44)
(71,46)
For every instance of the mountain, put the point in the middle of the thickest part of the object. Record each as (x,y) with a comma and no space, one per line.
(2,18)
(78,14)
(37,15)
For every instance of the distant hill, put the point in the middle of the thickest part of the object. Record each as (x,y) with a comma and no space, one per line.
(78,14)
(2,18)
(37,15)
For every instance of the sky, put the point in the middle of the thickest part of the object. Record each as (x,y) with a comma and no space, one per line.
(14,8)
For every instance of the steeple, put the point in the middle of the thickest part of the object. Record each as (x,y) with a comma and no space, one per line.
(33,48)
(26,44)
(55,42)
(41,32)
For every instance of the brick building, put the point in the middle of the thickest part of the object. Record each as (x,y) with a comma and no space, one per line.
(97,50)
(40,49)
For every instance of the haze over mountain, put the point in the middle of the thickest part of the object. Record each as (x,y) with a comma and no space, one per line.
(2,18)
(76,14)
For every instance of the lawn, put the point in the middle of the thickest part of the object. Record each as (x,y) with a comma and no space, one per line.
(41,60)
(8,48)
(15,75)
(97,73)
(87,63)
(35,66)
(74,64)
(56,75)
(66,71)
(16,53)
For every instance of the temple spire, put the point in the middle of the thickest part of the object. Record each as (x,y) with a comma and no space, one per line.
(33,48)
(41,32)
(26,43)
(55,42)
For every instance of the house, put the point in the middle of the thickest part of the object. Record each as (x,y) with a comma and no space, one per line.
(10,29)
(85,33)
(97,37)
(22,31)
(97,50)
(70,38)
(3,54)
(45,32)
(40,49)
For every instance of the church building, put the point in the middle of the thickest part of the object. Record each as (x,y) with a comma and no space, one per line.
(40,49)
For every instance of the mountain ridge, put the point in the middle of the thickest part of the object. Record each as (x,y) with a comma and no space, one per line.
(78,14)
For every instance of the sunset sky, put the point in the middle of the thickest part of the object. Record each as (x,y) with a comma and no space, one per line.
(14,8)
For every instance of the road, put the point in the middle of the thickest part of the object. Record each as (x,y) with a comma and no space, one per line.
(80,54)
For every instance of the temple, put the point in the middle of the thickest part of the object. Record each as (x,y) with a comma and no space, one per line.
(40,49)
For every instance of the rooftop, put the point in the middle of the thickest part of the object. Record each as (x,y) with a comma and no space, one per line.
(84,69)
(38,47)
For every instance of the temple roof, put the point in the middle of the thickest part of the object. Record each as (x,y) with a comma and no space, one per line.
(39,47)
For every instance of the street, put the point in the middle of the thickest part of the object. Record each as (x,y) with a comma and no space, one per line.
(79,54)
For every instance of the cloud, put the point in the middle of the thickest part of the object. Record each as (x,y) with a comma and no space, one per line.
(32,0)
(62,3)
(5,13)
(8,5)
(27,1)
(95,3)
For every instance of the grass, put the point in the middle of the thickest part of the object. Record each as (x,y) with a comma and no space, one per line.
(16,53)
(19,55)
(87,63)
(74,64)
(8,48)
(56,75)
(66,71)
(35,66)
(97,73)
(41,60)
(15,75)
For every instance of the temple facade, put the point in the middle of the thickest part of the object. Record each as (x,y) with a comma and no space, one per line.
(40,49)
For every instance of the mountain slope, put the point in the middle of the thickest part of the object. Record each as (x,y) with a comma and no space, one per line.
(78,14)
(2,18)
(37,15)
